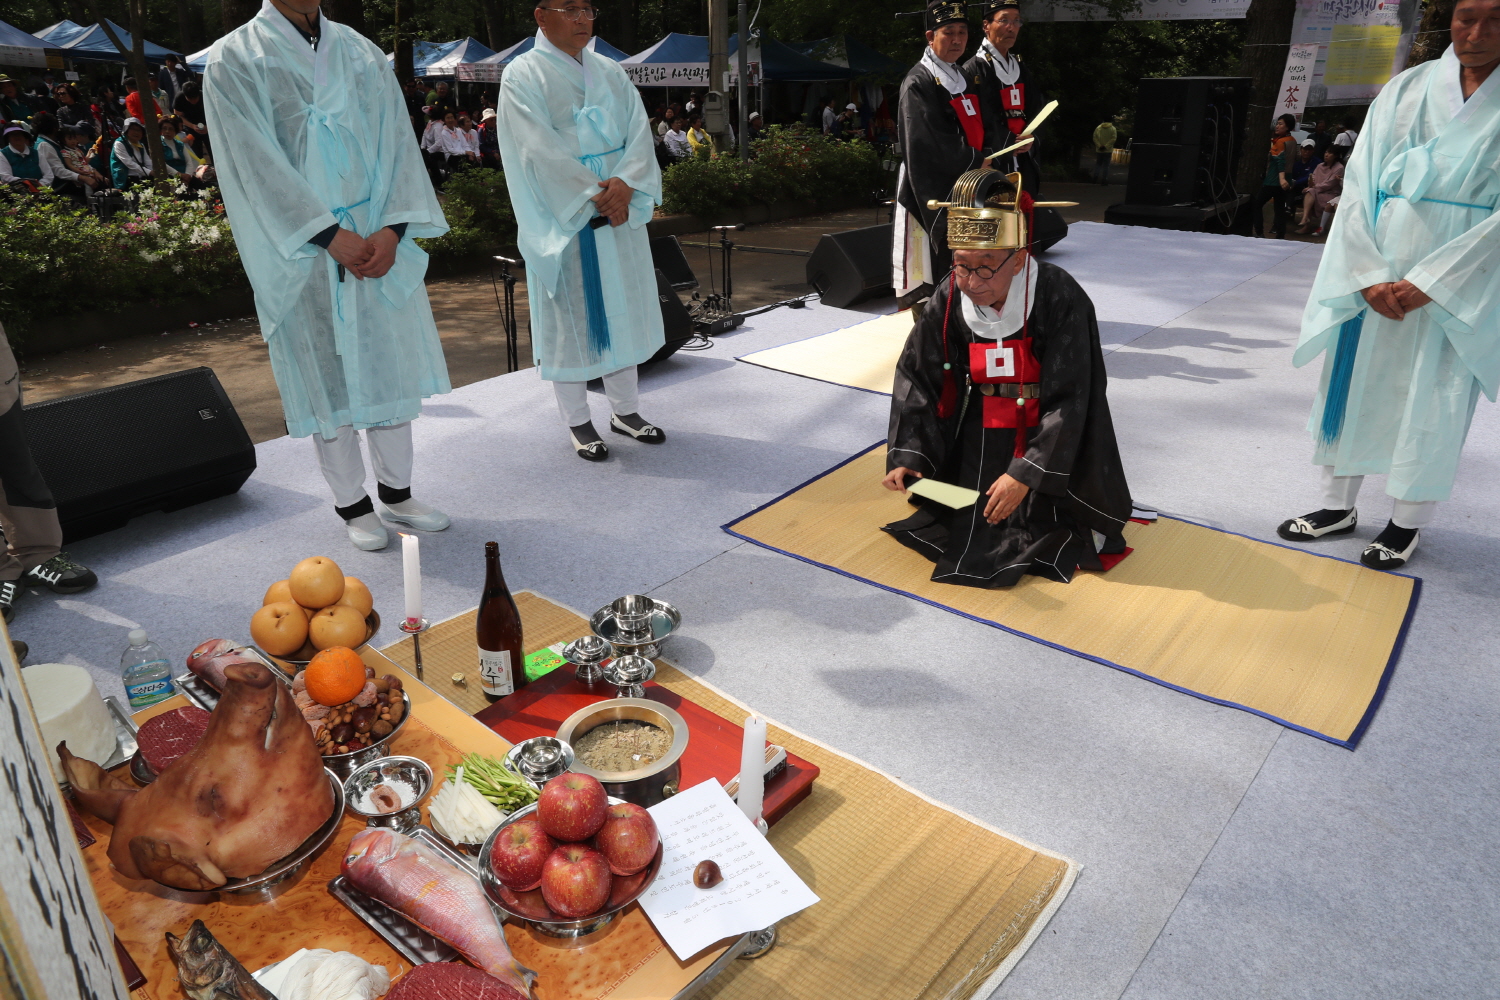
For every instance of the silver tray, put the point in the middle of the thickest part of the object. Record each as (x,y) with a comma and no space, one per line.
(418,947)
(410,941)
(198,691)
(125,729)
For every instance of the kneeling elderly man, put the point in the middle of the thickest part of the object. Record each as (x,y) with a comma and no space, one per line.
(1001,389)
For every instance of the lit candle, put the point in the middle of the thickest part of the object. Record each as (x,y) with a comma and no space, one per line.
(753,768)
(411,564)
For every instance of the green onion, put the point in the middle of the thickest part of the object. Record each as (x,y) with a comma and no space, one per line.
(493,778)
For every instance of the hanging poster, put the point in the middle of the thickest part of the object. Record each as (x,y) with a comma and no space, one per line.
(1300,62)
(1148,10)
(1361,45)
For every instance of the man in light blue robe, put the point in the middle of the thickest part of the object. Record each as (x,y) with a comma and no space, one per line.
(581,167)
(325,190)
(1406,304)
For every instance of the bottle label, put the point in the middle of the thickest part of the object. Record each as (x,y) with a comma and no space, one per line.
(494,673)
(149,692)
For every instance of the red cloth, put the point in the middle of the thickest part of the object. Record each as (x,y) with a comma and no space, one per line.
(966,106)
(1008,361)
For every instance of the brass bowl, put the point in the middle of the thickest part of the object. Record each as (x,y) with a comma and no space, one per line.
(645,786)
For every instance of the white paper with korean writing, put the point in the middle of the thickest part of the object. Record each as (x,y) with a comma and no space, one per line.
(759,888)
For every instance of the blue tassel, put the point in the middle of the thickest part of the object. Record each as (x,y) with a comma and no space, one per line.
(1339,379)
(593,292)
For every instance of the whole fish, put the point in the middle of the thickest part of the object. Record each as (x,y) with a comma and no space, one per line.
(207,971)
(414,880)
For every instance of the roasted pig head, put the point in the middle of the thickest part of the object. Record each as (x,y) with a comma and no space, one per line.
(250,792)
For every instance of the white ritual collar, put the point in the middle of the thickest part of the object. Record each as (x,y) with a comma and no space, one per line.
(988,324)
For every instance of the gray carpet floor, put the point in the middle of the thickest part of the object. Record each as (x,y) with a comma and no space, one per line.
(1222,855)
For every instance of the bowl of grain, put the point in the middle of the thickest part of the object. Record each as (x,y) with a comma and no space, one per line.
(632,745)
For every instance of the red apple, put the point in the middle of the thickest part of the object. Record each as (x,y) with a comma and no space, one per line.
(625,887)
(520,852)
(530,905)
(571,807)
(627,839)
(575,881)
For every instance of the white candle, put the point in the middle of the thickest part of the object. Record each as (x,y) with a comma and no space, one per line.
(753,768)
(411,564)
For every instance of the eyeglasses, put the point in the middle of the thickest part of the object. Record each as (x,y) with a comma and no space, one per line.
(981,272)
(574,14)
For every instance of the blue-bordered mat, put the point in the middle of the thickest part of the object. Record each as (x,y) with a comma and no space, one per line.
(1303,639)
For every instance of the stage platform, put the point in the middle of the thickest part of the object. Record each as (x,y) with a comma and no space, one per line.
(1222,854)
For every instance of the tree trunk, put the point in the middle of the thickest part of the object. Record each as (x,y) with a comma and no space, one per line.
(1432,34)
(187,38)
(628,14)
(494,24)
(236,13)
(143,79)
(1268,32)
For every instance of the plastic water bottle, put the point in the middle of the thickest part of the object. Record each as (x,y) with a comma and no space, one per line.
(146,672)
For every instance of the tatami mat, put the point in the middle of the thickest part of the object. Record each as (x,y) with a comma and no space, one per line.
(862,356)
(1305,640)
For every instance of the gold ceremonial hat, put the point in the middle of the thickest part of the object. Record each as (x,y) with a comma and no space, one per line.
(987,210)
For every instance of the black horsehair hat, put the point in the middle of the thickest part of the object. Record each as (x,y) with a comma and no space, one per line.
(941,12)
(995,6)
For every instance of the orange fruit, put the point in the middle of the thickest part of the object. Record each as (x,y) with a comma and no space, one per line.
(335,676)
(316,582)
(338,625)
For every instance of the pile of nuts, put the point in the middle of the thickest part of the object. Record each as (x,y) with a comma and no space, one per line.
(355,726)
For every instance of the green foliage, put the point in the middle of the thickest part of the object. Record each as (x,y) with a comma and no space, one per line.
(60,259)
(476,204)
(788,164)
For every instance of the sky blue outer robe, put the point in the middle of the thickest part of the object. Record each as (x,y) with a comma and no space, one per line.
(564,126)
(1418,203)
(304,140)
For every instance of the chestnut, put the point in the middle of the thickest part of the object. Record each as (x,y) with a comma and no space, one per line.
(393,682)
(342,733)
(362,719)
(707,875)
(381,728)
(382,685)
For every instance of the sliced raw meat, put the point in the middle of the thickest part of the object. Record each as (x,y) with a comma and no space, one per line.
(168,736)
(451,981)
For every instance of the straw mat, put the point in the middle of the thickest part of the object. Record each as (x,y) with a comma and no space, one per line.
(1305,640)
(899,917)
(862,356)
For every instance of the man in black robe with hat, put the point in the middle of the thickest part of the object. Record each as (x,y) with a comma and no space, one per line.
(1008,96)
(940,129)
(1001,389)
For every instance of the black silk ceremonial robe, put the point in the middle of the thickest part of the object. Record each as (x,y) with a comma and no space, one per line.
(999,131)
(934,154)
(1071,461)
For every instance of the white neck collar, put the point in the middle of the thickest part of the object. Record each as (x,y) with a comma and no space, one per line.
(947,74)
(990,324)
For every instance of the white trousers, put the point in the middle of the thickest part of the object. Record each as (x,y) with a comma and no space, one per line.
(1339,493)
(620,387)
(344,467)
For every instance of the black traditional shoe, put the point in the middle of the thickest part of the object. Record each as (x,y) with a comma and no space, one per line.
(587,442)
(9,591)
(632,424)
(1319,524)
(60,575)
(1391,548)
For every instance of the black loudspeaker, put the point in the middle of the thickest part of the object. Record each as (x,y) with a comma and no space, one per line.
(675,321)
(161,443)
(1188,134)
(1048,228)
(667,257)
(850,267)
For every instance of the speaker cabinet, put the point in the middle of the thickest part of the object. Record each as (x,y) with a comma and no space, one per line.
(161,443)
(667,257)
(676,323)
(852,266)
(1048,228)
(1182,110)
(1162,174)
(1188,135)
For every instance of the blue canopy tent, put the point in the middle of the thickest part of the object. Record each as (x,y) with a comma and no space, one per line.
(198,60)
(489,70)
(18,48)
(444,59)
(92,43)
(682,61)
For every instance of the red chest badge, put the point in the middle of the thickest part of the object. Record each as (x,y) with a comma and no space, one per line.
(1013,102)
(966,106)
(1008,363)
